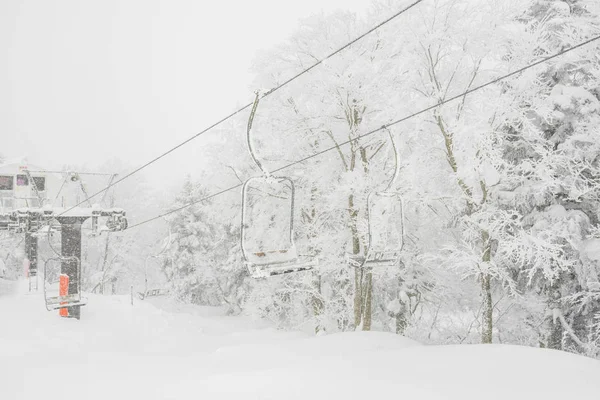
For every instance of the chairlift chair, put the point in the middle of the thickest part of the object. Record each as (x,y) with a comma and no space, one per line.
(385,218)
(52,296)
(386,230)
(267,232)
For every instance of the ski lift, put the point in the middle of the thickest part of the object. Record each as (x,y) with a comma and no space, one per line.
(267,231)
(57,286)
(114,220)
(385,217)
(268,228)
(167,244)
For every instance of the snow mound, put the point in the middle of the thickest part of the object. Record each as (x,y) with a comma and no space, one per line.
(162,350)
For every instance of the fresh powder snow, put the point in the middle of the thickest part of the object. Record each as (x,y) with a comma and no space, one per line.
(160,349)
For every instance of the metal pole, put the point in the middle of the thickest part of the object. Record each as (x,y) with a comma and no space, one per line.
(31,254)
(31,251)
(71,263)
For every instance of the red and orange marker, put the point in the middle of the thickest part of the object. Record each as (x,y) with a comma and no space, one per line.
(63,290)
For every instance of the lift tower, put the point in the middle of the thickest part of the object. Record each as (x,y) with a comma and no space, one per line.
(68,222)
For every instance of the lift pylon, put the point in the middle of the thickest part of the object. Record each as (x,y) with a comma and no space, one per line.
(34,221)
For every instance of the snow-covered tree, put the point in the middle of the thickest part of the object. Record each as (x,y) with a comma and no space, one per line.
(200,261)
(554,150)
(500,186)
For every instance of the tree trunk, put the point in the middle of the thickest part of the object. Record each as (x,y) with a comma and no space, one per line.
(366,291)
(554,327)
(402,315)
(358,286)
(488,309)
(317,303)
(308,219)
(487,325)
(367,301)
(358,273)
(401,320)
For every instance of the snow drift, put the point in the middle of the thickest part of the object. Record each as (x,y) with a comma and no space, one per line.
(169,351)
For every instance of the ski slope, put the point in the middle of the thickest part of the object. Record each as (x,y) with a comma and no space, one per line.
(168,351)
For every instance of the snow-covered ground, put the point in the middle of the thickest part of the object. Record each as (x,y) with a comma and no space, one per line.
(161,350)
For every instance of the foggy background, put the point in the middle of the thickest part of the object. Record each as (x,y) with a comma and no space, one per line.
(82,82)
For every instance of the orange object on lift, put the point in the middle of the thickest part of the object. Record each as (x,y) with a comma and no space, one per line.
(63,290)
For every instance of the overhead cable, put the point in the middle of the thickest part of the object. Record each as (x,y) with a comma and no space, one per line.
(383,127)
(268,93)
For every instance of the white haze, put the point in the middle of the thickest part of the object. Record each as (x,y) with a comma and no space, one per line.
(81,82)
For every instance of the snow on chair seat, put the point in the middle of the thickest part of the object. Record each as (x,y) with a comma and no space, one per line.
(70,300)
(376,259)
(264,271)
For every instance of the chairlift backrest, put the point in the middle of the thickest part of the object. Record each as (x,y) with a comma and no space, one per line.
(386,231)
(386,221)
(267,232)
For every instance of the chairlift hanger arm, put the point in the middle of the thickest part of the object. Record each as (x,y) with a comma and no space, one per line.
(249,129)
(167,244)
(397,164)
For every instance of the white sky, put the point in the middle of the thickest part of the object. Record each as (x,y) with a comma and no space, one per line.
(83,80)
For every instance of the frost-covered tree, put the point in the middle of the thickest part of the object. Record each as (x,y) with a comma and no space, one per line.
(343,100)
(200,261)
(455,163)
(500,186)
(112,262)
(554,149)
(11,255)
